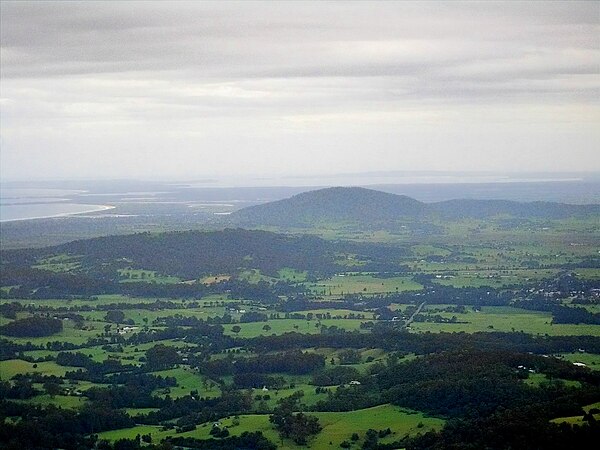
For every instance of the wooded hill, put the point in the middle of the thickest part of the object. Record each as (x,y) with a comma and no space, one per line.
(190,254)
(365,206)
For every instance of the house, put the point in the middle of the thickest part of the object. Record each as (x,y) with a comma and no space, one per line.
(354,383)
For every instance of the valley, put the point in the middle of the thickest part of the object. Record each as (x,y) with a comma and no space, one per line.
(363,332)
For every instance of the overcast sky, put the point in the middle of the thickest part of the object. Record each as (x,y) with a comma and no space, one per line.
(168,90)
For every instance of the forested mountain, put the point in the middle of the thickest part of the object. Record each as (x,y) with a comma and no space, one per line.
(332,205)
(354,204)
(193,253)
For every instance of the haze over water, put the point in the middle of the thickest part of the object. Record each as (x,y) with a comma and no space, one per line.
(33,200)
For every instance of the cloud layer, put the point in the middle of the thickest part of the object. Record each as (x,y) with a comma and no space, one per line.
(176,89)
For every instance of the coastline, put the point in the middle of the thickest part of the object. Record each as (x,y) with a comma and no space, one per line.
(96,208)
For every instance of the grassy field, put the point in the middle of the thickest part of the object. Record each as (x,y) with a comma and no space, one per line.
(578,420)
(279,326)
(189,380)
(64,401)
(149,276)
(362,284)
(136,411)
(536,379)
(337,426)
(69,334)
(12,367)
(58,263)
(507,319)
(215,279)
(492,278)
(592,360)
(95,301)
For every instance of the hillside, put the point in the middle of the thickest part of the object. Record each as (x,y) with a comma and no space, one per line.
(189,254)
(332,205)
(367,206)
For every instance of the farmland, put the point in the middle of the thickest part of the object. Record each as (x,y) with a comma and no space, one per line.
(326,337)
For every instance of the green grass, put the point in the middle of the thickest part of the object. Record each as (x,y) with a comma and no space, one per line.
(136,411)
(138,315)
(68,334)
(592,360)
(190,380)
(58,263)
(337,427)
(492,278)
(362,284)
(424,250)
(292,275)
(97,300)
(536,379)
(131,433)
(211,279)
(309,399)
(12,367)
(254,276)
(505,319)
(149,276)
(280,326)
(588,274)
(578,420)
(63,401)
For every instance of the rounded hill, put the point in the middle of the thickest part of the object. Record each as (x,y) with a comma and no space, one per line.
(335,204)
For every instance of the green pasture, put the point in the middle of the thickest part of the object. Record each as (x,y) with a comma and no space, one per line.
(536,379)
(292,275)
(362,284)
(148,276)
(423,250)
(69,334)
(492,278)
(189,380)
(254,276)
(578,420)
(62,401)
(59,263)
(11,367)
(588,274)
(337,427)
(211,279)
(92,302)
(137,411)
(592,360)
(138,315)
(280,326)
(506,319)
(309,399)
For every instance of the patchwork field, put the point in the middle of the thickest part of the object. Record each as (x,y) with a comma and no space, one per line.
(337,427)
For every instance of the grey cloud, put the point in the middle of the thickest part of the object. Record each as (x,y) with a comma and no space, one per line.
(295,73)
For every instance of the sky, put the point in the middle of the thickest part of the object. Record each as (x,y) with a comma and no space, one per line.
(177,90)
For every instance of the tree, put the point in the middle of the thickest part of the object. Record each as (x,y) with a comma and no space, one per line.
(236,329)
(162,357)
(52,388)
(267,328)
(32,327)
(298,427)
(115,316)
